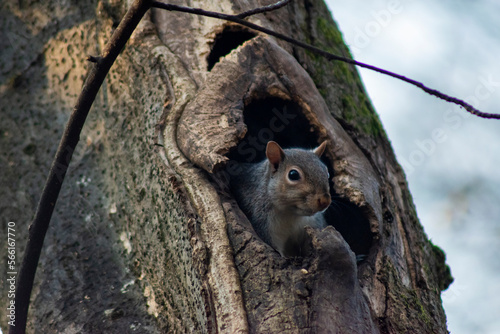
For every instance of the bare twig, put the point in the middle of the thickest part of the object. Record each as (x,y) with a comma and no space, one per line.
(263,9)
(325,54)
(61,161)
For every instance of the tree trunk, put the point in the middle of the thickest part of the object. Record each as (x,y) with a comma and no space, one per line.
(146,237)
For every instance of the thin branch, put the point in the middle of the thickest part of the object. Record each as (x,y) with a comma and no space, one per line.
(62,159)
(263,9)
(325,54)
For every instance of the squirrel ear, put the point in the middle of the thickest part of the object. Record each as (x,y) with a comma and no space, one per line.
(320,149)
(275,154)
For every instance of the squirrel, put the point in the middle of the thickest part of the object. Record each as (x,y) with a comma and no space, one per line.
(284,193)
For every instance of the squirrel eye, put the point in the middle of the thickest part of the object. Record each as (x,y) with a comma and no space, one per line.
(293,175)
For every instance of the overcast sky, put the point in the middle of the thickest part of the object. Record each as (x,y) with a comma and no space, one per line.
(452,160)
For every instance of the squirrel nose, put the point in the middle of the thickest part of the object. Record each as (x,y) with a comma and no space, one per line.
(323,202)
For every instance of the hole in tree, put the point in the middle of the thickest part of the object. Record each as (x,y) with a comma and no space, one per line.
(284,122)
(229,39)
(349,220)
(273,119)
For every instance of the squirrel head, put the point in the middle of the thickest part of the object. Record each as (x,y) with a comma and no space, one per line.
(298,179)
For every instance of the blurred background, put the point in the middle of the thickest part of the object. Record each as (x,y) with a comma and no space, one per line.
(451,159)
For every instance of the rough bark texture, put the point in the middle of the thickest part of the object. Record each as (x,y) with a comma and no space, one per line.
(145,237)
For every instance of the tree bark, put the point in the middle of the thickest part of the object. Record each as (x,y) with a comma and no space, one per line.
(146,236)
